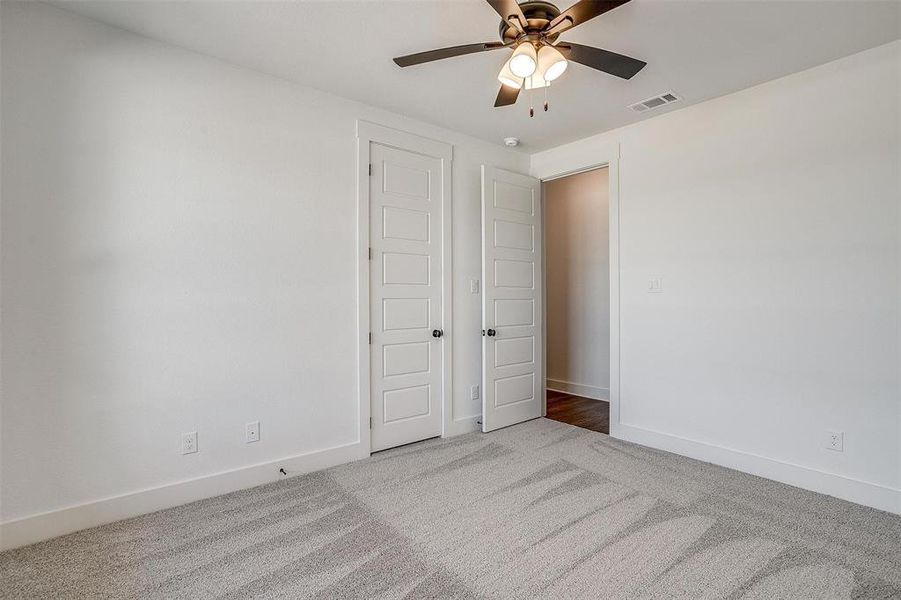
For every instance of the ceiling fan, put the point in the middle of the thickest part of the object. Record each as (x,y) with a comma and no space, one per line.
(531,29)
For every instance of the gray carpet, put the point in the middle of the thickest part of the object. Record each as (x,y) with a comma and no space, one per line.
(539,510)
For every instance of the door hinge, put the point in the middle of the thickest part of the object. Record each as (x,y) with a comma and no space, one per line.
(370,337)
(370,254)
(370,169)
(370,422)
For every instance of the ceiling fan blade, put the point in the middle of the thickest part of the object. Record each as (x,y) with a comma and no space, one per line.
(580,12)
(602,60)
(429,56)
(510,12)
(506,96)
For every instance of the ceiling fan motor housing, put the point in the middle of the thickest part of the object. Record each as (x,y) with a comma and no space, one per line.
(538,14)
(531,29)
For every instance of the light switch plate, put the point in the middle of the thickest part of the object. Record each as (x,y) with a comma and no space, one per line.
(474,392)
(655,285)
(474,286)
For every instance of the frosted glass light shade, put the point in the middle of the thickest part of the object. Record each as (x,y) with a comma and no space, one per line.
(524,60)
(551,63)
(507,78)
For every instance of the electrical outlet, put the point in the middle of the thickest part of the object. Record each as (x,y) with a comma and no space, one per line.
(252,432)
(474,392)
(189,442)
(835,440)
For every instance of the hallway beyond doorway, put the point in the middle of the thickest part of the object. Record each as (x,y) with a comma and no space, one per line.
(579,411)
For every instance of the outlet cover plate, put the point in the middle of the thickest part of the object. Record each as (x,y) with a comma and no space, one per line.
(189,442)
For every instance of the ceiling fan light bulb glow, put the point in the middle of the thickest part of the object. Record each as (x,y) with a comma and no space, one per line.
(536,81)
(507,78)
(551,63)
(524,60)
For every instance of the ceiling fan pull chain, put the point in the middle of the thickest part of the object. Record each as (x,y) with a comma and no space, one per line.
(545,96)
(531,98)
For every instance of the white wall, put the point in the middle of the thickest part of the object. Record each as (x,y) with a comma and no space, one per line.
(577,284)
(178,254)
(772,216)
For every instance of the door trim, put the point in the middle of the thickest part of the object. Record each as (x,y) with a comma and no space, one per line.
(368,133)
(609,158)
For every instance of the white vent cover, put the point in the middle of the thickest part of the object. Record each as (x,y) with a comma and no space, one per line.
(656,102)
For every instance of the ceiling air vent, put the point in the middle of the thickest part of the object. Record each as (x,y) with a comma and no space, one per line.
(655,102)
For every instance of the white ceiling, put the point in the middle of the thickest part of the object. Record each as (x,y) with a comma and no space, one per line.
(700,49)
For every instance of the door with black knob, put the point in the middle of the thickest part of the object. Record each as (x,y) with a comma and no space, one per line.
(512,378)
(406,311)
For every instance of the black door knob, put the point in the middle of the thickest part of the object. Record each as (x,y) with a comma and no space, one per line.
(437,333)
(492,333)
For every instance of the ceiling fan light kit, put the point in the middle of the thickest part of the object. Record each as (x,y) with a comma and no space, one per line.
(532,30)
(551,64)
(524,60)
(507,78)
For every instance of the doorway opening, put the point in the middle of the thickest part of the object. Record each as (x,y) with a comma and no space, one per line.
(577,298)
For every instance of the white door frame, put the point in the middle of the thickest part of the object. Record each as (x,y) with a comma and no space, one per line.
(608,158)
(368,133)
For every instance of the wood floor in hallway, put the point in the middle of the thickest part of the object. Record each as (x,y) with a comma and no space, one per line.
(581,412)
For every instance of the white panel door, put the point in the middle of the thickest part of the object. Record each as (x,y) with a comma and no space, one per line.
(512,379)
(405,296)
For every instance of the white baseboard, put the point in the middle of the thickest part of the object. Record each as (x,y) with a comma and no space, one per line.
(35,528)
(578,389)
(861,492)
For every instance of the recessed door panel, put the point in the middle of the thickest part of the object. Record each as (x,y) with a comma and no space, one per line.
(405,224)
(405,269)
(404,180)
(512,312)
(513,390)
(514,351)
(406,359)
(514,273)
(512,377)
(514,197)
(405,233)
(407,403)
(517,236)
